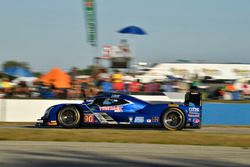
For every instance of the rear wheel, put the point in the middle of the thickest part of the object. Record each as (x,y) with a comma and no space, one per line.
(69,117)
(173,119)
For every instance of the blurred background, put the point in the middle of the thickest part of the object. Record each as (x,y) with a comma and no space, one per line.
(65,49)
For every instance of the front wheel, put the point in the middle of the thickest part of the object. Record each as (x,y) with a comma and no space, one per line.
(173,119)
(69,117)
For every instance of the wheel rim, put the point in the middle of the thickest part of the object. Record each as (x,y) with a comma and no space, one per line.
(68,117)
(173,119)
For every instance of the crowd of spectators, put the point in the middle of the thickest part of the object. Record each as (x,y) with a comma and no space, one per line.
(127,83)
(118,81)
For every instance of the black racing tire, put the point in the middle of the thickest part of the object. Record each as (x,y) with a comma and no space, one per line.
(173,119)
(69,117)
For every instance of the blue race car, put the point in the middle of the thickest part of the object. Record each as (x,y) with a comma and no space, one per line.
(118,109)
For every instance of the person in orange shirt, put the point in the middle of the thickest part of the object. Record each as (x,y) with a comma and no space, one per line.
(230,87)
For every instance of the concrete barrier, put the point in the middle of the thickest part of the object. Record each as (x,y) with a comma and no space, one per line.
(29,110)
(26,110)
(213,113)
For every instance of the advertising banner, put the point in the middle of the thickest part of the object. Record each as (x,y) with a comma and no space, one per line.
(91,26)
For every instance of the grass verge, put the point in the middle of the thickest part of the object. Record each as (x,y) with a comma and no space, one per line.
(125,136)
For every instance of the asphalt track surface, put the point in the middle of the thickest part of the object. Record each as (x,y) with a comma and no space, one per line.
(205,129)
(64,154)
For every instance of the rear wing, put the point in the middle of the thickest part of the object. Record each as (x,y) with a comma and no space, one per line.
(193,98)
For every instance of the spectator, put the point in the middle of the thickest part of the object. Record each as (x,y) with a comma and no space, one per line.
(230,87)
(22,91)
(148,87)
(127,80)
(167,87)
(101,77)
(218,93)
(194,85)
(106,85)
(46,93)
(245,89)
(117,81)
(135,86)
(155,87)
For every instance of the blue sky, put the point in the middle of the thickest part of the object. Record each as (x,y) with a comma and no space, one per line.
(52,33)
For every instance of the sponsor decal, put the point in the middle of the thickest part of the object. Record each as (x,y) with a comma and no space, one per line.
(52,123)
(194,109)
(139,120)
(130,119)
(189,119)
(115,96)
(179,71)
(173,105)
(194,115)
(92,109)
(196,121)
(149,120)
(89,100)
(210,72)
(88,119)
(194,112)
(155,119)
(91,21)
(241,72)
(114,108)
